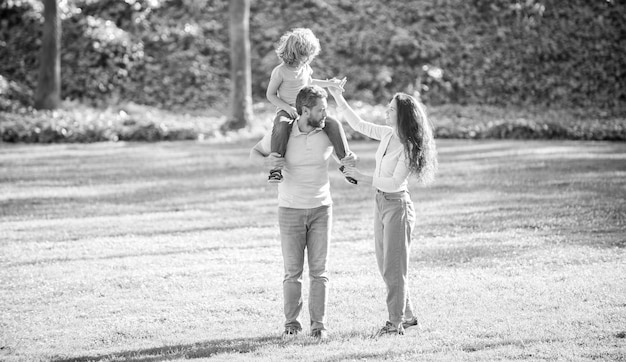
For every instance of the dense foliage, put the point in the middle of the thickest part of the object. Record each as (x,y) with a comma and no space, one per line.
(130,122)
(174,53)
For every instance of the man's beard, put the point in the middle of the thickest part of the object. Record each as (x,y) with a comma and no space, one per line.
(319,123)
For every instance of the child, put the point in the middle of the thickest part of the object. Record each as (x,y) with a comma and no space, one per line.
(296,49)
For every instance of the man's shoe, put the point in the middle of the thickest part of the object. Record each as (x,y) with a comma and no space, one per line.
(348,178)
(410,323)
(319,334)
(275,177)
(390,329)
(290,333)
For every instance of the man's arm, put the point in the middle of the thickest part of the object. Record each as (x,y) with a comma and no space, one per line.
(256,156)
(259,156)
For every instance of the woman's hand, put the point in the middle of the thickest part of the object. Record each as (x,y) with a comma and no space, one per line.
(352,171)
(336,89)
(349,164)
(342,82)
(336,83)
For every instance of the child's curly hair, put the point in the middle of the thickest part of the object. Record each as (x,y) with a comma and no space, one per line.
(297,47)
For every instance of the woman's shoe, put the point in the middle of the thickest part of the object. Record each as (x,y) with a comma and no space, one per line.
(390,329)
(413,322)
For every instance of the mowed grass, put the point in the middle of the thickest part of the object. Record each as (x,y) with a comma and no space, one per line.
(170,251)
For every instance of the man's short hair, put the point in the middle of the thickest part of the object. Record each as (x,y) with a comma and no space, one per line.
(308,96)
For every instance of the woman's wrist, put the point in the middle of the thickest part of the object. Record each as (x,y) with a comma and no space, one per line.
(342,105)
(364,178)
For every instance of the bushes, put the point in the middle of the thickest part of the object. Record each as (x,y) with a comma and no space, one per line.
(174,54)
(484,122)
(20,41)
(554,53)
(116,50)
(186,57)
(551,52)
(130,122)
(78,124)
(97,58)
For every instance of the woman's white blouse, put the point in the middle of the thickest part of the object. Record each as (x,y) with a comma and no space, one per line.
(391,173)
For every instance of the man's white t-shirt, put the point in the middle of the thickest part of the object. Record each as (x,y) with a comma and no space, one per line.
(305,175)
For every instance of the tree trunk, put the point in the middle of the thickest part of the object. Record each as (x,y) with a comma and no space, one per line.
(48,95)
(240,73)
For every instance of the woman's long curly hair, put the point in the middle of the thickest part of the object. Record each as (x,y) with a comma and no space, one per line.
(297,47)
(416,133)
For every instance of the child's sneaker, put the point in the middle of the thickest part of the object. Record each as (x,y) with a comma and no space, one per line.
(348,178)
(275,177)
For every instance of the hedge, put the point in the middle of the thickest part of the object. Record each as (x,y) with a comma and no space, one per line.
(79,124)
(174,54)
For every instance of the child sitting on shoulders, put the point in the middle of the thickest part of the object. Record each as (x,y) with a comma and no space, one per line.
(296,49)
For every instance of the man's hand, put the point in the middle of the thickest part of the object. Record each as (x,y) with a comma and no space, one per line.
(349,160)
(275,161)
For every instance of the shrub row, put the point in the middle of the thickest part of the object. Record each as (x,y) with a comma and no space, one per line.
(138,124)
(87,126)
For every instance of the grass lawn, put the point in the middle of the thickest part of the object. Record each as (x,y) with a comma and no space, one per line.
(170,251)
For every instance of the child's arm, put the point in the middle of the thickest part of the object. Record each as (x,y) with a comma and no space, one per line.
(329,83)
(272,95)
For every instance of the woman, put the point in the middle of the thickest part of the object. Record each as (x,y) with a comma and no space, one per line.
(407,147)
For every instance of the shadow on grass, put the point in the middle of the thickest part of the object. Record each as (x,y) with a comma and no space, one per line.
(487,345)
(190,351)
(429,351)
(140,254)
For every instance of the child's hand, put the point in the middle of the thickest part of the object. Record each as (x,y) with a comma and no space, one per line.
(337,83)
(293,113)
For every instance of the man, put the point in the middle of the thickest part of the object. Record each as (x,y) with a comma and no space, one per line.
(304,209)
